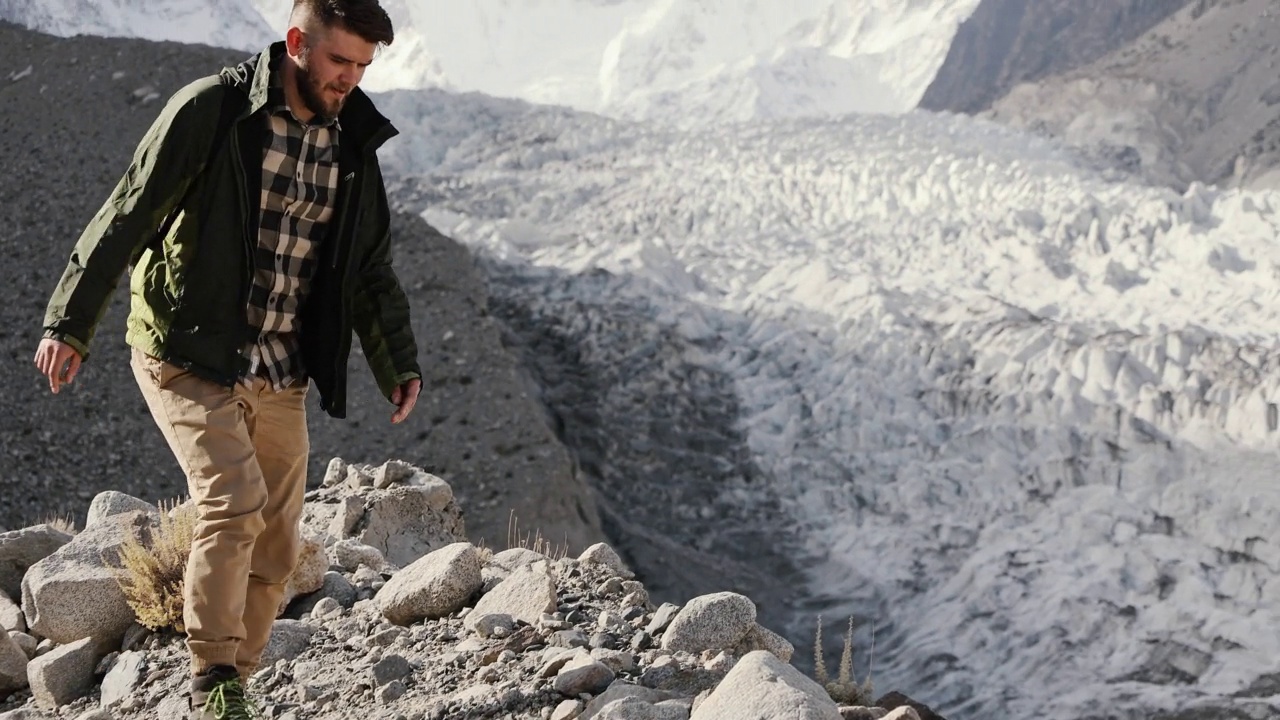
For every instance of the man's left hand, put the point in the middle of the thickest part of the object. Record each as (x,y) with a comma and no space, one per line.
(405,397)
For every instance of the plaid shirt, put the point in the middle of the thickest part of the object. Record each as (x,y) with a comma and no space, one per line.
(299,191)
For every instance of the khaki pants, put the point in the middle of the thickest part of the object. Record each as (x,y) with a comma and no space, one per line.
(244,451)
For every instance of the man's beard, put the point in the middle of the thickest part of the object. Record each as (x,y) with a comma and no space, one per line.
(312,92)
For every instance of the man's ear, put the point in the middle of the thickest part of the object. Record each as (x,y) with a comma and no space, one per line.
(294,41)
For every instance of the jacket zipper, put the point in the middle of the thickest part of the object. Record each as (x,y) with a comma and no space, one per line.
(344,324)
(343,205)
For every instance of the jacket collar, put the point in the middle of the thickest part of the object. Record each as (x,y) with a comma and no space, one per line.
(360,121)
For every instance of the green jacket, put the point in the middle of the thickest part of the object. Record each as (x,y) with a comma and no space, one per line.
(189,289)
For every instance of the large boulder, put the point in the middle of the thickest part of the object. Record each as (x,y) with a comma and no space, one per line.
(308,575)
(602,554)
(719,621)
(527,594)
(762,638)
(63,674)
(434,586)
(402,511)
(110,502)
(74,593)
(20,549)
(762,687)
(407,522)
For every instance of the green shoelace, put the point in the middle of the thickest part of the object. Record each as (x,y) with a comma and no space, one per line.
(228,701)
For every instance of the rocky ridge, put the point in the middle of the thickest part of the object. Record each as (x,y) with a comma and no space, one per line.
(394,615)
(1193,99)
(1005,43)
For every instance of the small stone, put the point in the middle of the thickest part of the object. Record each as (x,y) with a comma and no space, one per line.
(641,641)
(134,637)
(335,473)
(568,710)
(326,608)
(365,576)
(857,712)
(603,640)
(610,587)
(123,679)
(388,637)
(391,692)
(570,638)
(662,618)
(489,624)
(391,667)
(583,674)
(720,663)
(25,642)
(602,554)
(616,661)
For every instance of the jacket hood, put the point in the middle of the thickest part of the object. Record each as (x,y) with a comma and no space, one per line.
(360,120)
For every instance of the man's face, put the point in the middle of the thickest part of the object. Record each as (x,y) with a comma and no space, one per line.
(331,64)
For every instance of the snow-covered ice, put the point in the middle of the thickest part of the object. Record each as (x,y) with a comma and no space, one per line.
(1021,412)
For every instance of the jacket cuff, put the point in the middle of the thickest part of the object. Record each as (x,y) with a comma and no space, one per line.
(75,344)
(405,377)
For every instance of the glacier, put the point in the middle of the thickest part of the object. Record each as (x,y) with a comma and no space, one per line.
(1018,412)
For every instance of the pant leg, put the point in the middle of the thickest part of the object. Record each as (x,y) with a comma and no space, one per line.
(205,425)
(279,434)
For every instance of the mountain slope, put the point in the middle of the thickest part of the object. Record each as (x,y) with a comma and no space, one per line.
(1194,99)
(236,23)
(1008,42)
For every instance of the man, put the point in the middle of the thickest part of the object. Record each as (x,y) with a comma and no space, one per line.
(256,221)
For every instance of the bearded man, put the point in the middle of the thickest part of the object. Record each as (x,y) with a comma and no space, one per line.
(256,223)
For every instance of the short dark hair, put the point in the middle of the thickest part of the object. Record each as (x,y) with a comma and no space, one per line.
(365,18)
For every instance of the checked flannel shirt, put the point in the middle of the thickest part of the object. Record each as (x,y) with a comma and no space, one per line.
(299,191)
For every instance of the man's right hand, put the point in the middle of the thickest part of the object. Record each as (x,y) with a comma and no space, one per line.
(57,361)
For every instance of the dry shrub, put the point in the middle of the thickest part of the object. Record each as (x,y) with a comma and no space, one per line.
(151,573)
(844,689)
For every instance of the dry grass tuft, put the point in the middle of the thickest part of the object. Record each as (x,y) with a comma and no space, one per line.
(151,574)
(62,523)
(534,542)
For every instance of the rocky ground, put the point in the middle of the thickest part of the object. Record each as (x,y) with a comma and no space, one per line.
(73,112)
(396,617)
